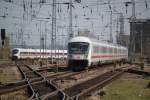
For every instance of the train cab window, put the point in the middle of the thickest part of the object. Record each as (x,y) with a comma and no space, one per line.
(78,48)
(15,51)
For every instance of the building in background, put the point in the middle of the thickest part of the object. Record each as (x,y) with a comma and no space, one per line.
(86,33)
(123,40)
(140,39)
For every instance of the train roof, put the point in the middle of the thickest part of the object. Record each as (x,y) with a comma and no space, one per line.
(89,40)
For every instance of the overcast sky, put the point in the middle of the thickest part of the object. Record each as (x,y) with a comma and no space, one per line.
(24,20)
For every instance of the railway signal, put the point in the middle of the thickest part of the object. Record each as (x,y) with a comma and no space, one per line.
(3,36)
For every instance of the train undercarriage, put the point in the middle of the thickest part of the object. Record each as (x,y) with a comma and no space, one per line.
(77,64)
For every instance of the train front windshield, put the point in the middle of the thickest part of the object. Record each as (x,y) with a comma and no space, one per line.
(78,48)
(15,51)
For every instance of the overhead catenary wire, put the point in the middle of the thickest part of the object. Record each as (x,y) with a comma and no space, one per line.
(29,5)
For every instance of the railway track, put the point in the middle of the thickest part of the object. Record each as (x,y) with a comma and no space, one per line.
(59,95)
(28,72)
(44,87)
(79,91)
(73,76)
(140,72)
(33,82)
(23,83)
(38,88)
(35,78)
(83,89)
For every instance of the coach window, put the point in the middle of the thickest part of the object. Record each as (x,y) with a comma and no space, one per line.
(100,49)
(104,50)
(115,50)
(95,49)
(120,51)
(23,52)
(110,50)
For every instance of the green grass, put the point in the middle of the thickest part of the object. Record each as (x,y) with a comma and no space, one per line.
(18,95)
(6,75)
(5,61)
(127,90)
(3,77)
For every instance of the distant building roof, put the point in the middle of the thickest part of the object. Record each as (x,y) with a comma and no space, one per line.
(140,20)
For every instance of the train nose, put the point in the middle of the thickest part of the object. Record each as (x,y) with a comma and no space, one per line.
(77,64)
(14,57)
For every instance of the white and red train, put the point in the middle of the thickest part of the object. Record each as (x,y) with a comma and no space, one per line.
(20,53)
(84,52)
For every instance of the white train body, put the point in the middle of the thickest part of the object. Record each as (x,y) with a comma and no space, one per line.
(84,52)
(20,53)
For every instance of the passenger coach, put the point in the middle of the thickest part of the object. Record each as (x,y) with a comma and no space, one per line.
(84,52)
(20,53)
